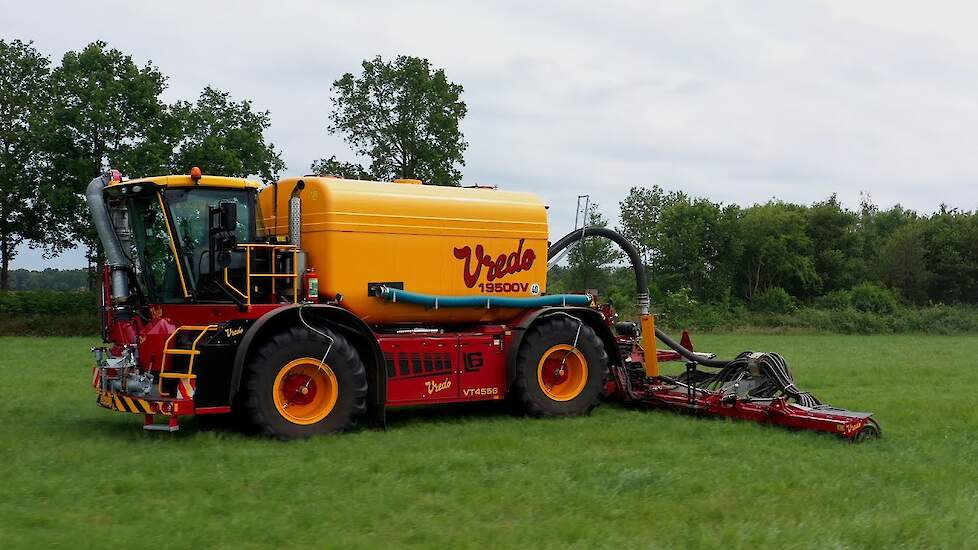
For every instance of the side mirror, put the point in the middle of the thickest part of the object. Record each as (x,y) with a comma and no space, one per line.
(223,234)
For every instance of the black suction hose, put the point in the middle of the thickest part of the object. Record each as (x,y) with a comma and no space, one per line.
(641,283)
(665,339)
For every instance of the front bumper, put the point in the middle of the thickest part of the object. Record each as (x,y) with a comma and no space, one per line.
(166,406)
(122,387)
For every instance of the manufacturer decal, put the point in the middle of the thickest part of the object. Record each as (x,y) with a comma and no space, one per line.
(535,289)
(232,332)
(502,265)
(435,387)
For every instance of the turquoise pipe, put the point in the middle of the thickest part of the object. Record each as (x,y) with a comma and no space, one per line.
(397,295)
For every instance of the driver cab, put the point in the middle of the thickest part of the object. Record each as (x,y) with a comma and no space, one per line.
(198,239)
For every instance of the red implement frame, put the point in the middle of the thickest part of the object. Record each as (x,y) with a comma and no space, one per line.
(664,392)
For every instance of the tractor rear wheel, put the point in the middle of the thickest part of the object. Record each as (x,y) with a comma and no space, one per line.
(560,368)
(300,384)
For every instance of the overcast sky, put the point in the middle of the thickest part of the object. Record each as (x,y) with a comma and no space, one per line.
(734,101)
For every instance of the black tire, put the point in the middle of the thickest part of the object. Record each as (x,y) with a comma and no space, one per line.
(272,357)
(544,336)
(868,432)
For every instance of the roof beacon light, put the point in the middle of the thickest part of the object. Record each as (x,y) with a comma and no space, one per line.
(195,174)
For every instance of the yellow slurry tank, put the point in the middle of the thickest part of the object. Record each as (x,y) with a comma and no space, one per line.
(444,241)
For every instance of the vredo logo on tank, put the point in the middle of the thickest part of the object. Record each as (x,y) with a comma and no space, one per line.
(496,268)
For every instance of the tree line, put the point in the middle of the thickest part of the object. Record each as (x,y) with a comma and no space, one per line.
(780,251)
(49,279)
(63,124)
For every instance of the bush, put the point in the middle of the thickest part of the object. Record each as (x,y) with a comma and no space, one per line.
(73,324)
(679,307)
(773,300)
(835,300)
(937,319)
(873,298)
(48,313)
(47,302)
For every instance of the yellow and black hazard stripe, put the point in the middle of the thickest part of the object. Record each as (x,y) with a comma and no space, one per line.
(124,403)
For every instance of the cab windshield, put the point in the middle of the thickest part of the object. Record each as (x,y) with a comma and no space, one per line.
(188,210)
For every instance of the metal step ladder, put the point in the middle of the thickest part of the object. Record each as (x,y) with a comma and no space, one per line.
(170,353)
(183,373)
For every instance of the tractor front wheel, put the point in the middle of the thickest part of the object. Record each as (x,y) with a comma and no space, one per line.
(300,384)
(560,368)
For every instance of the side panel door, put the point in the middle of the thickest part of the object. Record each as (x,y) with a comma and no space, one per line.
(420,368)
(483,365)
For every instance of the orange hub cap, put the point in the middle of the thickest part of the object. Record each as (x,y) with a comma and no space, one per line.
(305,391)
(562,372)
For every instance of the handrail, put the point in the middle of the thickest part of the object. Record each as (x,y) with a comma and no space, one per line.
(273,275)
(192,352)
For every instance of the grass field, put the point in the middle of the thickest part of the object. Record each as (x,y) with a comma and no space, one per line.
(75,475)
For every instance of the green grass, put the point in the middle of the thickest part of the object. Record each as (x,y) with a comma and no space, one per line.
(75,475)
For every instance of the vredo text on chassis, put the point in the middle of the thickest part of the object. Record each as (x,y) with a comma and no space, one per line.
(312,304)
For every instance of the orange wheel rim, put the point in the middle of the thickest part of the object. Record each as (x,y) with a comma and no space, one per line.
(305,391)
(562,372)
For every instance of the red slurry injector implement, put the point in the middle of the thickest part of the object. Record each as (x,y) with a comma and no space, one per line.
(753,386)
(313,304)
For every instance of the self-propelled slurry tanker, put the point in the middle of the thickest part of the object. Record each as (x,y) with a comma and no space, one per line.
(313,304)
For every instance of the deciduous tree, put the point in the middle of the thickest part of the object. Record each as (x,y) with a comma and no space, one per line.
(836,256)
(224,137)
(903,263)
(404,116)
(335,167)
(639,214)
(106,112)
(777,251)
(24,102)
(695,247)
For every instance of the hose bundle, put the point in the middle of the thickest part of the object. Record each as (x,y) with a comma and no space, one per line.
(766,374)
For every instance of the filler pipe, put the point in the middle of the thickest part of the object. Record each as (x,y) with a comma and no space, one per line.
(641,283)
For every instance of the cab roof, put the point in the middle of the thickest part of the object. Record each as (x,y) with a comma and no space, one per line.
(184,180)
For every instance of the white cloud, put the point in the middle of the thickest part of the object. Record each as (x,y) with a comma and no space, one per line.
(738,102)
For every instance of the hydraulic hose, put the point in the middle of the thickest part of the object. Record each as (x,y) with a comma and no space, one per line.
(641,283)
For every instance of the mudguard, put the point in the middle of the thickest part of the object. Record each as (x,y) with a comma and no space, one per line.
(334,317)
(591,317)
